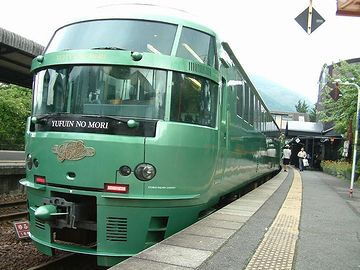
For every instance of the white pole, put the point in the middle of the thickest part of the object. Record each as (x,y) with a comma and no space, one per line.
(356,139)
(310,16)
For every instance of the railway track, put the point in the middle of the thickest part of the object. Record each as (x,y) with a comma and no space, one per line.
(71,262)
(13,210)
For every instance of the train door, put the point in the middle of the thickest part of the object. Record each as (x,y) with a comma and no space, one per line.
(223,134)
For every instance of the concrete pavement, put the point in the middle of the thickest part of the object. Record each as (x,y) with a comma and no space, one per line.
(239,236)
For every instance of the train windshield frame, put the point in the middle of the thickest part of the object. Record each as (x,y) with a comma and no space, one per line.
(100,90)
(129,35)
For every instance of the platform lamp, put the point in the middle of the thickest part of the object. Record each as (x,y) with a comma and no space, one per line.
(338,81)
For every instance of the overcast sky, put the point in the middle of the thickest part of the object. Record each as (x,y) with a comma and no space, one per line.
(264,34)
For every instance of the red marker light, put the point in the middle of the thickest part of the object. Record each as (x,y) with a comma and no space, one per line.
(40,179)
(118,188)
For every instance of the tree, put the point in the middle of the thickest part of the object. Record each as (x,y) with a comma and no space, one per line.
(343,111)
(313,114)
(301,106)
(15,107)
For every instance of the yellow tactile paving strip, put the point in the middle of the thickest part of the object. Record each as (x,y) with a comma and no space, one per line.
(277,249)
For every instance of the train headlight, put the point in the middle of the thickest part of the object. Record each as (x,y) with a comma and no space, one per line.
(29,161)
(145,171)
(125,170)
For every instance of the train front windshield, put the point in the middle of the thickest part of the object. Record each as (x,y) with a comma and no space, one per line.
(130,35)
(101,90)
(125,92)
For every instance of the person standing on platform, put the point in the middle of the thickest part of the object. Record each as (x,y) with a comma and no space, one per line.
(286,157)
(301,155)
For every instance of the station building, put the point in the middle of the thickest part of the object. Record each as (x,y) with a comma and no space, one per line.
(319,143)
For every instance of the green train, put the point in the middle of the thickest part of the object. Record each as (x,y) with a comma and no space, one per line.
(142,120)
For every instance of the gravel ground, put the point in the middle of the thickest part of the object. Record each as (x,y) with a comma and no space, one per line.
(14,253)
(12,197)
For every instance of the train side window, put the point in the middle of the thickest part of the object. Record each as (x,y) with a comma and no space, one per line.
(265,120)
(251,109)
(246,103)
(239,100)
(259,116)
(193,100)
(263,117)
(256,114)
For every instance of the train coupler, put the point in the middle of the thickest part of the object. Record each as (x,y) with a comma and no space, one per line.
(59,212)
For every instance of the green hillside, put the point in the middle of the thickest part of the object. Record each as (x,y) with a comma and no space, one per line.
(277,97)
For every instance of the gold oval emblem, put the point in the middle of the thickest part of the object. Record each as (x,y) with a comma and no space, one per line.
(72,150)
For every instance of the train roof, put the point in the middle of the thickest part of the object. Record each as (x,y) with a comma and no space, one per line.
(142,11)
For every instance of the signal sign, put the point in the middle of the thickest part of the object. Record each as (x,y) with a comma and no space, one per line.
(309,19)
(22,229)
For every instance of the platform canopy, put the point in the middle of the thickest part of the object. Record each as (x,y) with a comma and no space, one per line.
(16,54)
(310,129)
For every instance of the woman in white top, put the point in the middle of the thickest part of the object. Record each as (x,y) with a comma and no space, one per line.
(301,155)
(286,157)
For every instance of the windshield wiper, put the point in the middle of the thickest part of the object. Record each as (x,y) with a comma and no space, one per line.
(105,116)
(131,123)
(109,48)
(40,119)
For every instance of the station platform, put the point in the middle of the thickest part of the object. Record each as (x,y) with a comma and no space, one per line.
(296,220)
(10,173)
(12,162)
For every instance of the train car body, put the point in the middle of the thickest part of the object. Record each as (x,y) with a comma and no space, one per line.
(140,123)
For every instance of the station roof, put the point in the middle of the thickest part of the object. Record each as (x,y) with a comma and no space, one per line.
(311,129)
(16,54)
(348,8)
